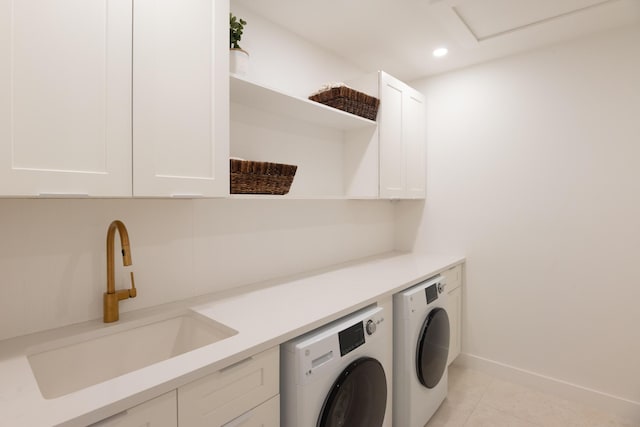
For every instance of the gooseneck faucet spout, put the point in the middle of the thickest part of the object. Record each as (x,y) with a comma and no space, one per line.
(112,297)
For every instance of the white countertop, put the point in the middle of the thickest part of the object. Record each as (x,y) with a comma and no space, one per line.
(264,315)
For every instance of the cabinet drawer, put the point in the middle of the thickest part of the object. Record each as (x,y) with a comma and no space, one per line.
(158,412)
(225,395)
(453,277)
(265,415)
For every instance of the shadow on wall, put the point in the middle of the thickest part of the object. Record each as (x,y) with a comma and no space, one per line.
(408,214)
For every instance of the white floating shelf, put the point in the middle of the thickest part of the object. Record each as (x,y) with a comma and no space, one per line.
(263,98)
(300,197)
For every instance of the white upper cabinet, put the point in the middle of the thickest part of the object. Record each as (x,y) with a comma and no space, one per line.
(68,72)
(402,140)
(65,97)
(393,165)
(181,93)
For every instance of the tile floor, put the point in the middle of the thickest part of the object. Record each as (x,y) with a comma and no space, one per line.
(479,400)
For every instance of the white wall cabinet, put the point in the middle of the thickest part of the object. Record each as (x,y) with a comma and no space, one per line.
(401,122)
(397,148)
(159,412)
(338,154)
(234,396)
(180,92)
(72,74)
(65,98)
(454,309)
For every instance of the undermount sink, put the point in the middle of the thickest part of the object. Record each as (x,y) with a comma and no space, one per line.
(93,359)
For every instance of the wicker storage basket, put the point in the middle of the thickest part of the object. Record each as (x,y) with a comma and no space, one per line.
(249,177)
(346,99)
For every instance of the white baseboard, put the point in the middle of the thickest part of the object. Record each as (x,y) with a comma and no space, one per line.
(624,408)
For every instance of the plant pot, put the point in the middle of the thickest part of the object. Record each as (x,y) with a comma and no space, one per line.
(238,62)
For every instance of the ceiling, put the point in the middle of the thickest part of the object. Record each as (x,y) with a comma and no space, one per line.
(398,36)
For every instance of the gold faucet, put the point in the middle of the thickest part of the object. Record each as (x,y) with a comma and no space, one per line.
(113,297)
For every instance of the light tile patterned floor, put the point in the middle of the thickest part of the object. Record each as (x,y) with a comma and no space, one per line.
(479,400)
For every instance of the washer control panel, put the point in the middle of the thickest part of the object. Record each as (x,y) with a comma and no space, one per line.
(371,327)
(319,350)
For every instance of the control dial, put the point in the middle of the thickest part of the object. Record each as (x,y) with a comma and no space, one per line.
(441,287)
(370,327)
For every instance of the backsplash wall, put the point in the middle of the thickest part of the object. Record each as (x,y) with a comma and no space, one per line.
(53,252)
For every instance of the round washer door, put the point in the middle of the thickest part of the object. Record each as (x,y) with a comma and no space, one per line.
(358,398)
(433,348)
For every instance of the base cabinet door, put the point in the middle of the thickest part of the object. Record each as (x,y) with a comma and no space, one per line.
(454,310)
(159,412)
(222,397)
(265,415)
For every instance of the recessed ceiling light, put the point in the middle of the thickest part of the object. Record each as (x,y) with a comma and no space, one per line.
(440,52)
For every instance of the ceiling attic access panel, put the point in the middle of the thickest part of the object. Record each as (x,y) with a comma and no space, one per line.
(492,18)
(473,22)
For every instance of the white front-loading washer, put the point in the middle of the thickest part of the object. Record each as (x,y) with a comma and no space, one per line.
(340,374)
(421,348)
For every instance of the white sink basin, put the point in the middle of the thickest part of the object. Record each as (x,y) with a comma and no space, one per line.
(91,359)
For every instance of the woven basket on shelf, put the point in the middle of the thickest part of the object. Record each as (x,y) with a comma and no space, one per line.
(346,99)
(250,177)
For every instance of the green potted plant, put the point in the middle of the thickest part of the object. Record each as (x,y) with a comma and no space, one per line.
(239,58)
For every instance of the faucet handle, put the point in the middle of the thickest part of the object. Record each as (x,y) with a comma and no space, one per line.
(132,291)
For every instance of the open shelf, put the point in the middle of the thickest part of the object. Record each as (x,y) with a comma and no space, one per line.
(263,98)
(300,197)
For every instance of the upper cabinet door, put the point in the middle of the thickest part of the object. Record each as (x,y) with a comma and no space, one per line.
(391,125)
(414,139)
(402,140)
(65,97)
(181,98)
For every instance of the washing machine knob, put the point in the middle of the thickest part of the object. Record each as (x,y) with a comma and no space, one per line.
(441,287)
(370,327)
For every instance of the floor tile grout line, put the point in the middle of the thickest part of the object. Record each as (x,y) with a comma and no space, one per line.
(502,411)
(475,406)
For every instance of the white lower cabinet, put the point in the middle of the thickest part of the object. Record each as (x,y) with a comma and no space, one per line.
(265,415)
(454,309)
(244,394)
(159,412)
(234,396)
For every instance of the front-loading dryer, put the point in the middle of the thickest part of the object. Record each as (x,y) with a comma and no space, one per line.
(340,374)
(421,348)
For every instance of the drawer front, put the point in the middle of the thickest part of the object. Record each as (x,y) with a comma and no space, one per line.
(158,412)
(454,277)
(265,415)
(225,395)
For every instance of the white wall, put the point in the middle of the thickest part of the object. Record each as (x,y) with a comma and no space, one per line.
(283,61)
(533,173)
(52,256)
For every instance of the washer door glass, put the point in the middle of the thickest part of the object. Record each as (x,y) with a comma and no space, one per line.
(433,348)
(358,398)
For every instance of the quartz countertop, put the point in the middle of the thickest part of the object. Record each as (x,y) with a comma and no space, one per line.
(265,315)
